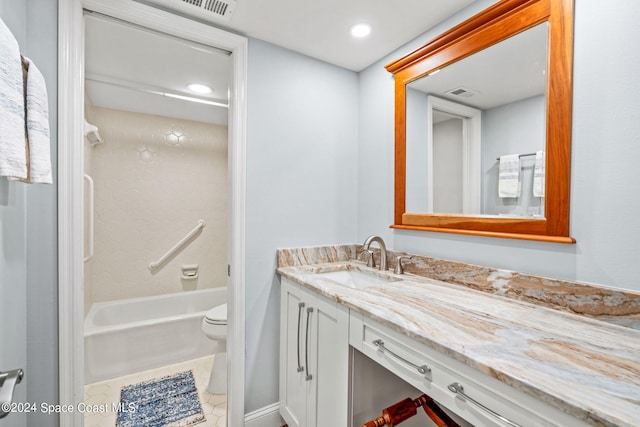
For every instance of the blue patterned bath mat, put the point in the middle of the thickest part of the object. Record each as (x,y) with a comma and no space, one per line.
(165,402)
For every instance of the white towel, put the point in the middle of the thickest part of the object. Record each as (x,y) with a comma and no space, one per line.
(13,157)
(37,117)
(538,175)
(509,176)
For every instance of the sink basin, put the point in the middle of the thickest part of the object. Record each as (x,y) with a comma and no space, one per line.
(356,279)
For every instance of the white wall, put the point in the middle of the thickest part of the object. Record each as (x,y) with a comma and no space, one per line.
(605,153)
(301,185)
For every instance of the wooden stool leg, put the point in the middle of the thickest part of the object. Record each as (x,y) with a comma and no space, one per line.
(394,414)
(435,412)
(401,411)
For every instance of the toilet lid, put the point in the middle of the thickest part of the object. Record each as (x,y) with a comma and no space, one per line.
(217,315)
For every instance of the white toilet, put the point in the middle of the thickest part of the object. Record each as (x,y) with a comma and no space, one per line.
(214,326)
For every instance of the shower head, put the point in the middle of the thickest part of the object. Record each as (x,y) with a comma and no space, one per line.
(91,134)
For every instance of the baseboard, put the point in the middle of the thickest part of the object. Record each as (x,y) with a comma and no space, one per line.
(264,417)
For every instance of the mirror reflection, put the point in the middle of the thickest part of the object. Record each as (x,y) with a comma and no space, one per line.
(475,132)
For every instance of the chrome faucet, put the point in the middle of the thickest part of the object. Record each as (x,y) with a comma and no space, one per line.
(383,250)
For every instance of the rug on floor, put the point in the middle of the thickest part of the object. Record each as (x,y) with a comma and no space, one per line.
(170,401)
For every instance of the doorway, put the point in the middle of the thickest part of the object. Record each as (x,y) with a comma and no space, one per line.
(72,245)
(453,157)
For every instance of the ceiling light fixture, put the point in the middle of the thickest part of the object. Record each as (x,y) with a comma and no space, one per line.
(199,88)
(361,30)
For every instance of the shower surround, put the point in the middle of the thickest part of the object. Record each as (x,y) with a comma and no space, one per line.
(155,178)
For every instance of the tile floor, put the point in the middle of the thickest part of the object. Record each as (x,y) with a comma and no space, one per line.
(106,393)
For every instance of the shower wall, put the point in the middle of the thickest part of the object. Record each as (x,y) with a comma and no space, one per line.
(155,177)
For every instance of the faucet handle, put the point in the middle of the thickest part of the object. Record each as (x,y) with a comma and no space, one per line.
(370,261)
(399,269)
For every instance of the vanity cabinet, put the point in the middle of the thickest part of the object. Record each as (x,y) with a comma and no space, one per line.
(314,358)
(445,379)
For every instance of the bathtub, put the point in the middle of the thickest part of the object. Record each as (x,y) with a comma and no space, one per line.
(132,335)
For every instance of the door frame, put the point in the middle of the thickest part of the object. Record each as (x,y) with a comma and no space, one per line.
(471,152)
(70,189)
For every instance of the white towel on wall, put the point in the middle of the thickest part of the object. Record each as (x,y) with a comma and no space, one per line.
(13,157)
(37,118)
(509,176)
(538,175)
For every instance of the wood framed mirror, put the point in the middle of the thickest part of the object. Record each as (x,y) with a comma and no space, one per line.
(505,23)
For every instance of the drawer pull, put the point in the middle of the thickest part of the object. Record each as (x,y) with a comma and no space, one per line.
(300,307)
(308,376)
(423,369)
(458,389)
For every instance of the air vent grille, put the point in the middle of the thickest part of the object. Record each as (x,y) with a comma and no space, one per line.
(462,91)
(210,10)
(216,6)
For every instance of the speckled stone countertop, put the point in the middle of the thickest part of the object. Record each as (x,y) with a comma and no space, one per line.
(583,366)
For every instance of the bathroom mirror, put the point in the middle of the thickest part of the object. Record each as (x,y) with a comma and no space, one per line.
(451,83)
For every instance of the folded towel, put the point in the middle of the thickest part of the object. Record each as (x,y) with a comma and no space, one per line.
(37,117)
(538,175)
(509,176)
(13,154)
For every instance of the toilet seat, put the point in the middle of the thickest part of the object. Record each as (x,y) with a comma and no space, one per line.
(217,315)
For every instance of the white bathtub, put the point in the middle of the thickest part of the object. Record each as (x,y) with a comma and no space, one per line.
(127,336)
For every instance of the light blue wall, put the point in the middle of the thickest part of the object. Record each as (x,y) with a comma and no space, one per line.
(28,223)
(42,228)
(517,127)
(301,185)
(605,154)
(320,171)
(13,251)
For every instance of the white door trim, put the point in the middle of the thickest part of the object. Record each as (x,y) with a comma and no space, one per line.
(471,152)
(70,194)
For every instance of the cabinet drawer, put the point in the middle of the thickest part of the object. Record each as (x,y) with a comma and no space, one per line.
(433,373)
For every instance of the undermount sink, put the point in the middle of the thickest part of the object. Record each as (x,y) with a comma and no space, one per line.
(356,278)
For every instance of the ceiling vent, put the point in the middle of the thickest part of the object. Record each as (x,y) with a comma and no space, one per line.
(462,91)
(209,10)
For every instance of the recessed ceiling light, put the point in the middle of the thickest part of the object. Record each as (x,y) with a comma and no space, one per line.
(199,88)
(361,30)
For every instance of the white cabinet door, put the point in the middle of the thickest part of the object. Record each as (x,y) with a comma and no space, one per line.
(293,398)
(329,359)
(314,359)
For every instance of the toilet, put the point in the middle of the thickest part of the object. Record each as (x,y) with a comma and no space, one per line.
(214,326)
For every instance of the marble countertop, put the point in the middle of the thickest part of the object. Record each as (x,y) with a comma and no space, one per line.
(585,367)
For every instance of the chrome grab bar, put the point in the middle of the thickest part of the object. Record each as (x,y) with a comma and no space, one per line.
(155,265)
(423,369)
(458,389)
(300,307)
(308,377)
(90,225)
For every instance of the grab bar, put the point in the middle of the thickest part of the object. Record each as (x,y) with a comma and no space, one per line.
(90,216)
(458,389)
(154,265)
